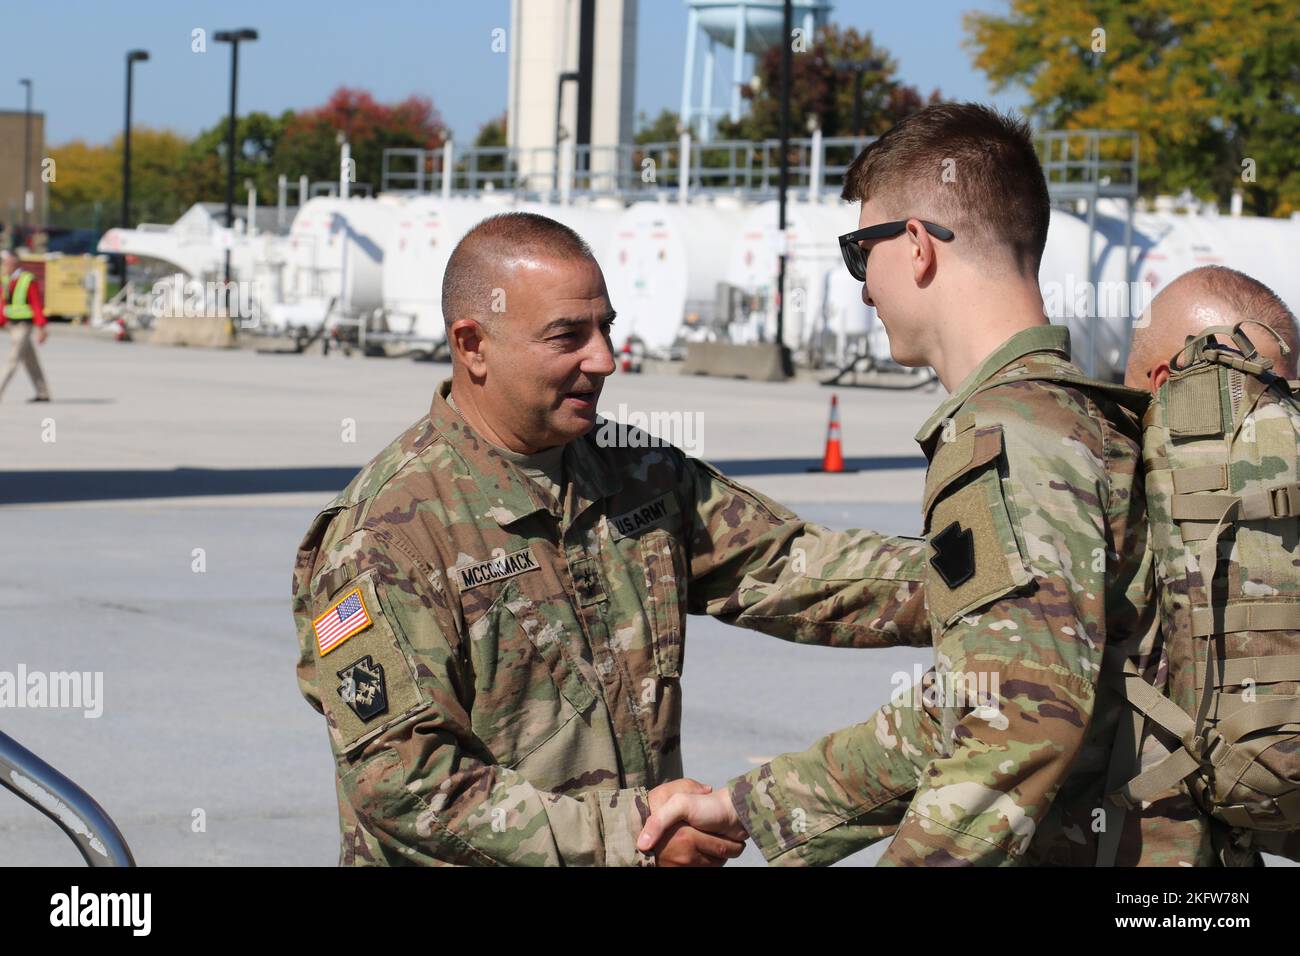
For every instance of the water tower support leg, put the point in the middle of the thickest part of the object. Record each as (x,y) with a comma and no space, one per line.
(688,74)
(738,63)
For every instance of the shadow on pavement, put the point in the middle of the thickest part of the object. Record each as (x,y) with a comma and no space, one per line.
(45,487)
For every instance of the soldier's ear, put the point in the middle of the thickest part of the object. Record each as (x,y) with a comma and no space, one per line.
(1159,375)
(467,344)
(920,251)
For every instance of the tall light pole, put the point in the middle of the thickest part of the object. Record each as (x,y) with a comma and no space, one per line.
(784,182)
(233,37)
(27,148)
(859,69)
(132,57)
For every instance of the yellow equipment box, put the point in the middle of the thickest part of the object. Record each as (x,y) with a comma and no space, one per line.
(69,284)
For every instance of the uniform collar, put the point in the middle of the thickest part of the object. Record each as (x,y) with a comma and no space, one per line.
(1039,338)
(511,494)
(591,474)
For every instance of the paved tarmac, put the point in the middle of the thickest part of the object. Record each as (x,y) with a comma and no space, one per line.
(151,461)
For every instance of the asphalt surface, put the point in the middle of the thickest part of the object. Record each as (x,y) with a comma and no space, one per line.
(152,539)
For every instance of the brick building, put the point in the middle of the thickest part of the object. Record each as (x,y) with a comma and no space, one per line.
(11,168)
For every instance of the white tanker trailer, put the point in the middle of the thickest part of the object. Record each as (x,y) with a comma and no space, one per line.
(1165,245)
(665,264)
(427,231)
(332,262)
(820,314)
(1099,313)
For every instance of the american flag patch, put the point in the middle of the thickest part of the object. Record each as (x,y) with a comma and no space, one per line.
(346,617)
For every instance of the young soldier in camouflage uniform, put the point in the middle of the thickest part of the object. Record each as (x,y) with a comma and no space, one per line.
(491,615)
(1038,572)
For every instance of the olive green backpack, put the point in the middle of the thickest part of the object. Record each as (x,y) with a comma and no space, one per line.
(1223,501)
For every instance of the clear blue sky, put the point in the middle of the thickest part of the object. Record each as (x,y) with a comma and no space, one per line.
(74,52)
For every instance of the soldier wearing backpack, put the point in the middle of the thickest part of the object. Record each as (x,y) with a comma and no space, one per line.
(1214,712)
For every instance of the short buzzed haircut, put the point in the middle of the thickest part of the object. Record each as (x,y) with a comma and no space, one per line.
(1246,298)
(474,268)
(966,167)
(1238,296)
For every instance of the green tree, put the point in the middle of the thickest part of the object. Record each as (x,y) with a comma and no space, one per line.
(1206,84)
(490,134)
(202,174)
(664,128)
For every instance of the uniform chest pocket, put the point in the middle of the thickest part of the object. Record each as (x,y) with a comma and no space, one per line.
(663,574)
(527,685)
(975,554)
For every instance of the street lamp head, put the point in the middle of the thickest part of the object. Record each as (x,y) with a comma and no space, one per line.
(26,83)
(235,36)
(135,56)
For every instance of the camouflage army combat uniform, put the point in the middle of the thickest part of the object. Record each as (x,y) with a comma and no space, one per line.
(1039,577)
(500,670)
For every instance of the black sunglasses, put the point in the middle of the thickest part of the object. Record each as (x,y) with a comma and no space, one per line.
(855,257)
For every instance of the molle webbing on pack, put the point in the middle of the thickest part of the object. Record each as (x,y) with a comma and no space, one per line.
(1223,498)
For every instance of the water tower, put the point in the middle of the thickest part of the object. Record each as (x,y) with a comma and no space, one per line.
(744,26)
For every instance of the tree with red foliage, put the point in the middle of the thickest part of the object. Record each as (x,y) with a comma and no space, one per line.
(823,81)
(310,144)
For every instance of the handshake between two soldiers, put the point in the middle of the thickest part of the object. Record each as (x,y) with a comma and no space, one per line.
(491,616)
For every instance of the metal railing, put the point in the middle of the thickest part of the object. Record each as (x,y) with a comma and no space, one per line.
(75,811)
(1089,162)
(1077,163)
(741,167)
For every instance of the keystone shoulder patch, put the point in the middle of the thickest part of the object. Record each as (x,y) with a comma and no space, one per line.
(645,516)
(362,688)
(954,555)
(495,569)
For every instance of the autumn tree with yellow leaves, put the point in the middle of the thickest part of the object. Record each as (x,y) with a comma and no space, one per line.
(1212,87)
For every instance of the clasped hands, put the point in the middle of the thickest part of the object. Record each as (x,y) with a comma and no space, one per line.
(691,825)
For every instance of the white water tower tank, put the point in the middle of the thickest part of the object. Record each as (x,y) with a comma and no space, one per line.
(744,27)
(666,261)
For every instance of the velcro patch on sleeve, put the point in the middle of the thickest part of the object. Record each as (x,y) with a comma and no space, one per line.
(346,616)
(372,685)
(648,515)
(975,557)
(495,569)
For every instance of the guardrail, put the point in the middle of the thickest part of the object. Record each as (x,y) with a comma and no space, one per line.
(75,811)
(1077,163)
(1096,162)
(741,167)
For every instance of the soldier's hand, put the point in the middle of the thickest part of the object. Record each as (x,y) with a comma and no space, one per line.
(41,333)
(681,844)
(686,810)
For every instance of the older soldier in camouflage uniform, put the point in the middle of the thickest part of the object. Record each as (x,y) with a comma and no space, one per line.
(1039,576)
(491,615)
(1191,303)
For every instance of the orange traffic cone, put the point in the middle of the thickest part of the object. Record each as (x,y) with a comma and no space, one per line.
(627,355)
(833,459)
